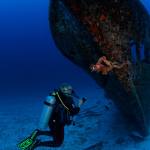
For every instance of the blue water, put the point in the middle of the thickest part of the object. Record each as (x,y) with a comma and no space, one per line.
(29,59)
(30,63)
(28,55)
(146,4)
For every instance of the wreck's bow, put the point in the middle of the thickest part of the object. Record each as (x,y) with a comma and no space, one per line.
(85,30)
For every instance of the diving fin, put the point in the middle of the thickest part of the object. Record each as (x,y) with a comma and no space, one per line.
(25,144)
(28,142)
(34,145)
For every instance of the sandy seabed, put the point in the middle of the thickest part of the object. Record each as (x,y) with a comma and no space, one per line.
(98,126)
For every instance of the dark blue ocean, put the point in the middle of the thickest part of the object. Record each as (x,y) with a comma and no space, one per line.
(31,66)
(29,59)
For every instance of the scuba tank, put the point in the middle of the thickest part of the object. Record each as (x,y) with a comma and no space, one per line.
(47,111)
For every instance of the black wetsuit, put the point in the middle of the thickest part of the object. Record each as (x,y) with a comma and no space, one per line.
(56,125)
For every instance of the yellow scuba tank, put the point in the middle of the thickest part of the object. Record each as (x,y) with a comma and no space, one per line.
(47,112)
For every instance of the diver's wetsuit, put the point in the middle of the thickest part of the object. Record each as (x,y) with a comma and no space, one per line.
(55,124)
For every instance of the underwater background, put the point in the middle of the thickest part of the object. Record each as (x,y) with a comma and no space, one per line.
(31,66)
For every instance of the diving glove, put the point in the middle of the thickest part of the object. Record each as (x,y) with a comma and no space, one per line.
(84,99)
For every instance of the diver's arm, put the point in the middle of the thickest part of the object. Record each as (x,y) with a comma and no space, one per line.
(100,60)
(74,109)
(119,66)
(108,63)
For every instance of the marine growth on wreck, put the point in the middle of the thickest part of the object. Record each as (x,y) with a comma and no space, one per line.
(85,30)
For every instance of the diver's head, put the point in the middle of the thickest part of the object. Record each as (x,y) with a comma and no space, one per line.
(66,89)
(95,67)
(92,67)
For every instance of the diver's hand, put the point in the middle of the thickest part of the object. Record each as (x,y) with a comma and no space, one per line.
(82,101)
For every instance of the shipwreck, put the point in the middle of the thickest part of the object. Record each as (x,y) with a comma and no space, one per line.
(85,30)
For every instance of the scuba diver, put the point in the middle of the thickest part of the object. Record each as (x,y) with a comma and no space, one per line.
(59,109)
(104,65)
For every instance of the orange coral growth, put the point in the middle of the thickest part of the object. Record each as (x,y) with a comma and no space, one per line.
(103,17)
